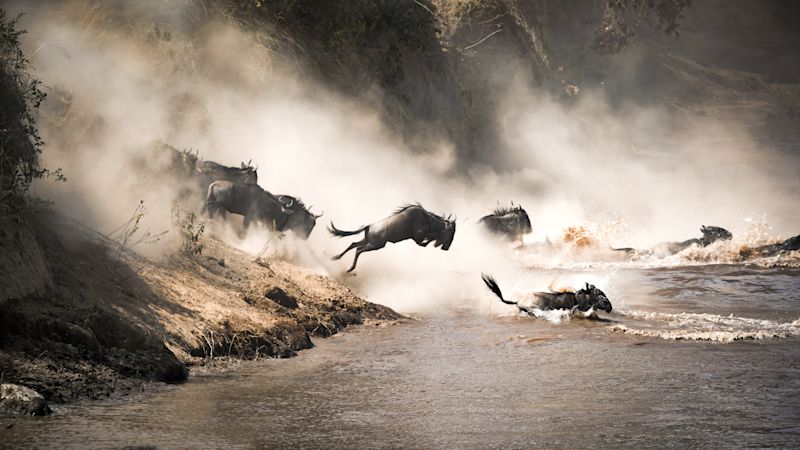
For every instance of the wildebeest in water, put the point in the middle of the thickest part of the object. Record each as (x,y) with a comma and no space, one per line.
(711,234)
(582,300)
(509,222)
(302,221)
(789,245)
(248,200)
(408,222)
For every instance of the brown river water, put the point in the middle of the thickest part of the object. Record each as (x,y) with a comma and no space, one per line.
(696,356)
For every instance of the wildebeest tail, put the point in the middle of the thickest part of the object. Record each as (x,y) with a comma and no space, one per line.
(495,288)
(341,233)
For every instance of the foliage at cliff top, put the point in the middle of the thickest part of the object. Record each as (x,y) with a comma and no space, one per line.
(20,96)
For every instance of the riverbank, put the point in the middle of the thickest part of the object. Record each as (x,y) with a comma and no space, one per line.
(84,319)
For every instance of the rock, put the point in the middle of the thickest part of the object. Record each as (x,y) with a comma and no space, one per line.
(280,297)
(16,399)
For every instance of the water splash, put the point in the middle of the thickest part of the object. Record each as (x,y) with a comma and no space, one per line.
(589,246)
(705,327)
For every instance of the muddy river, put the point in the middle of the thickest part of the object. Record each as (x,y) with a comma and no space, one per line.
(693,356)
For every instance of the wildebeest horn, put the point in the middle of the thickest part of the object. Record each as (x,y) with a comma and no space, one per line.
(317,216)
(248,162)
(243,166)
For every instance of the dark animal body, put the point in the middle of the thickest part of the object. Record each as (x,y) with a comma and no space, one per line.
(208,172)
(186,165)
(583,300)
(302,221)
(789,245)
(409,222)
(181,163)
(248,200)
(511,223)
(711,234)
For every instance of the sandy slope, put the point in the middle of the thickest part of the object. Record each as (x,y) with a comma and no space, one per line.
(82,322)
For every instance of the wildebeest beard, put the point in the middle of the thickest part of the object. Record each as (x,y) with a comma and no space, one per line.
(446,236)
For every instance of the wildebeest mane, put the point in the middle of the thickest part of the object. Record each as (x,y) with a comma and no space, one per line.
(417,204)
(503,210)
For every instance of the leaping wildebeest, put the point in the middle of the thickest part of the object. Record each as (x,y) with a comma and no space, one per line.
(248,200)
(408,222)
(509,222)
(583,300)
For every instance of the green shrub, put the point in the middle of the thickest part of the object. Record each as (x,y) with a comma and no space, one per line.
(191,232)
(20,96)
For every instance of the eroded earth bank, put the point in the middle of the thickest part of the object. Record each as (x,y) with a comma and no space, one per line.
(84,318)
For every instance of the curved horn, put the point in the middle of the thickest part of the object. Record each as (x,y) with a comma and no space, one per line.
(248,162)
(317,216)
(283,200)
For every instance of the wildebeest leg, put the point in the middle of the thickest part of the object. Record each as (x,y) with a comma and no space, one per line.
(352,246)
(245,222)
(366,248)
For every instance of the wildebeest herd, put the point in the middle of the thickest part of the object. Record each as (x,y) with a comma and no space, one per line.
(236,190)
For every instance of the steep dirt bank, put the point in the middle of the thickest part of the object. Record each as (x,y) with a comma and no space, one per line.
(85,320)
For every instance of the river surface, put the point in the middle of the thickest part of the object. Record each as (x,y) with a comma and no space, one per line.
(701,356)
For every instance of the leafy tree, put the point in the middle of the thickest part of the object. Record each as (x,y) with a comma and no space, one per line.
(20,96)
(623,18)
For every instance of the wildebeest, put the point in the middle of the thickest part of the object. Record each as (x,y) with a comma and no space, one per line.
(408,222)
(248,200)
(210,171)
(165,160)
(509,222)
(582,300)
(791,244)
(302,220)
(711,234)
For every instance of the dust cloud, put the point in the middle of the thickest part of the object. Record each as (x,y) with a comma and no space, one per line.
(115,90)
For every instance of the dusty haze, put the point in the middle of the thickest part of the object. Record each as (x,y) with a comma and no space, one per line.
(210,86)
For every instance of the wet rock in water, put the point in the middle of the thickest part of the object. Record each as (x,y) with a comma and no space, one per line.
(16,399)
(280,297)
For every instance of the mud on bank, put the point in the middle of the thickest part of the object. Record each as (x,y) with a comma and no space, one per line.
(80,319)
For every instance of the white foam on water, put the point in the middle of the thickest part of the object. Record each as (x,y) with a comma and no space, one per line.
(706,327)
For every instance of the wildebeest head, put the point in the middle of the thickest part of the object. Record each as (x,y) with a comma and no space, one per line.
(302,220)
(524,221)
(189,160)
(712,234)
(446,235)
(249,174)
(596,298)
